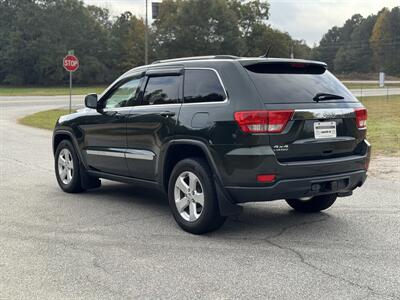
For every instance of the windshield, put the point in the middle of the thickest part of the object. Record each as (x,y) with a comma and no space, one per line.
(296,83)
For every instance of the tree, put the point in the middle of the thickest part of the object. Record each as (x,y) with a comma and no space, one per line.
(363,44)
(251,16)
(394,66)
(36,34)
(209,27)
(328,46)
(380,36)
(127,40)
(335,41)
(385,41)
(355,55)
(189,28)
(301,50)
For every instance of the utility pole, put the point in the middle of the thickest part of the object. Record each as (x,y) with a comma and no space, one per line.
(146,39)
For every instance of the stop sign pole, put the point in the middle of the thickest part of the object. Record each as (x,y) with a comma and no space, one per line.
(71,64)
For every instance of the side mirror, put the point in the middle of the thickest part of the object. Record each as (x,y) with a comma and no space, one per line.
(91,101)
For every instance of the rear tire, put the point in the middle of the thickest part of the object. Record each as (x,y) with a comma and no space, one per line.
(315,204)
(192,197)
(66,165)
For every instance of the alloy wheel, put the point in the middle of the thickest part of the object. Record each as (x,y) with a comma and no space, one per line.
(189,196)
(65,166)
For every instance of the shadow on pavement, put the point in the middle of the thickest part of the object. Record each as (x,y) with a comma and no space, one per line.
(274,219)
(258,220)
(130,193)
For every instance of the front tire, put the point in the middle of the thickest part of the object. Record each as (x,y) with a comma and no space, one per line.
(192,197)
(312,205)
(67,169)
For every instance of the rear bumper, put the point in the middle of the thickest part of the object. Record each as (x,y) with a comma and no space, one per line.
(297,188)
(238,166)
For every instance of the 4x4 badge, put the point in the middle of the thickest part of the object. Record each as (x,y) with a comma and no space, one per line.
(280,148)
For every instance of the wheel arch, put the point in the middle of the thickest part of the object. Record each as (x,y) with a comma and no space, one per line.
(61,135)
(177,150)
(196,148)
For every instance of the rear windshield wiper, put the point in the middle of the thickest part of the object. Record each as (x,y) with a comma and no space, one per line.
(324,96)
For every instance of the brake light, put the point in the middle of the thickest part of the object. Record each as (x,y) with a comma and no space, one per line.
(266,178)
(263,121)
(298,65)
(361,117)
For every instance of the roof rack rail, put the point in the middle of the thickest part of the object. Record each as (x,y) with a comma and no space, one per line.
(196,58)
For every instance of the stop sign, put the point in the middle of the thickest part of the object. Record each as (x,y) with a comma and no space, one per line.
(71,63)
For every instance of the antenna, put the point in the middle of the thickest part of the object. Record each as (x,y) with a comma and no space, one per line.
(267,53)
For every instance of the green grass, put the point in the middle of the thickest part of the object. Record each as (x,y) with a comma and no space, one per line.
(44,119)
(49,91)
(383,124)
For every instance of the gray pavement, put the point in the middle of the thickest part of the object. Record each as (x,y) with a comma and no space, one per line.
(121,242)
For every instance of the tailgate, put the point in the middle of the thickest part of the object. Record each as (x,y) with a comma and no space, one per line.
(319,127)
(317,134)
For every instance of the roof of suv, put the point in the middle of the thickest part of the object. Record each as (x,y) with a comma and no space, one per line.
(244,61)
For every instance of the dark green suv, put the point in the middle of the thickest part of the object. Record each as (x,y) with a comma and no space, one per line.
(213,132)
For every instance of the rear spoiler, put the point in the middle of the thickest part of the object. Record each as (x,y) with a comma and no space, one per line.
(252,61)
(289,66)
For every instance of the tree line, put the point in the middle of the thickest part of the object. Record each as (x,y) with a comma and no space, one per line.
(363,45)
(36,34)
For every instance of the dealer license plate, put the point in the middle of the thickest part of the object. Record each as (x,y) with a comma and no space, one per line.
(324,130)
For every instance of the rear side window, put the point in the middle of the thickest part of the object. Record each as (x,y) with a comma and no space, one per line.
(295,82)
(162,90)
(202,86)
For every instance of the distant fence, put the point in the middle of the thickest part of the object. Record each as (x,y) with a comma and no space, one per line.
(371,81)
(376,92)
(370,88)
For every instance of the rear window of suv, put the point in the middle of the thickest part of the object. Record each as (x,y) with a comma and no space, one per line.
(162,90)
(295,82)
(202,85)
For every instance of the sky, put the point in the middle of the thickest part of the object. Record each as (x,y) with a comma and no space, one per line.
(303,19)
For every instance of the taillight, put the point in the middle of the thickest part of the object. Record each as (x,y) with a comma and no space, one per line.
(263,121)
(266,178)
(361,117)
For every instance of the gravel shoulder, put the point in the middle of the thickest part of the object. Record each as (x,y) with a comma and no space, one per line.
(385,167)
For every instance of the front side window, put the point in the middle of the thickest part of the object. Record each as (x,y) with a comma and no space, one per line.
(202,86)
(124,95)
(162,90)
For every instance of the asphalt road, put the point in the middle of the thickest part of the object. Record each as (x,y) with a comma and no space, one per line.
(121,242)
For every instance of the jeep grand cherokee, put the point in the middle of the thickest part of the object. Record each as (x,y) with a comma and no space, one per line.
(214,132)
